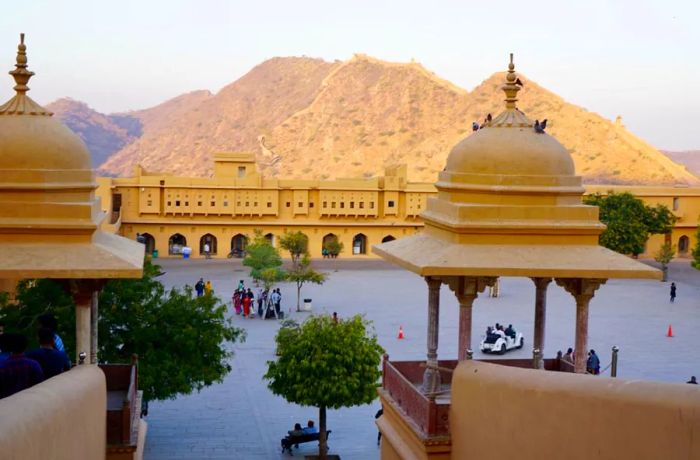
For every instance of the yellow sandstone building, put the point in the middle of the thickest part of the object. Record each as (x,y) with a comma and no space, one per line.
(172,212)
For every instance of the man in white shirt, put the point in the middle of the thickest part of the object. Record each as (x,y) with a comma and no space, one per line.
(206,251)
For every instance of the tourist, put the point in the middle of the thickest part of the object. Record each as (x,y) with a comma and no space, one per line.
(510,332)
(49,321)
(241,285)
(199,287)
(379,413)
(276,298)
(568,361)
(673,292)
(335,317)
(247,299)
(208,288)
(18,372)
(52,361)
(297,431)
(237,301)
(692,381)
(593,363)
(310,428)
(475,127)
(324,253)
(207,249)
(260,302)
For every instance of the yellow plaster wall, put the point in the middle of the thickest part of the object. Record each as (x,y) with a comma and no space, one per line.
(536,415)
(62,418)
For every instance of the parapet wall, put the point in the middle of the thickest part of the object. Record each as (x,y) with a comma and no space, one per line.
(533,415)
(62,418)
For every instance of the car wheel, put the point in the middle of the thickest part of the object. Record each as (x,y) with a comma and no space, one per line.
(503,349)
(522,342)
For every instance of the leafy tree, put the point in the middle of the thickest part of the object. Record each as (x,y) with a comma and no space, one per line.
(261,255)
(663,256)
(333,247)
(326,365)
(272,275)
(178,337)
(696,250)
(303,273)
(629,221)
(297,243)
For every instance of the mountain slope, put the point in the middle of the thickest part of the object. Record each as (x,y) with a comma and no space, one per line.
(307,118)
(689,158)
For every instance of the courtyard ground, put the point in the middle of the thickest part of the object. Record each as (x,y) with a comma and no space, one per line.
(242,419)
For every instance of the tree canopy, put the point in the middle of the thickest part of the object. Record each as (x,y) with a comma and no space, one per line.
(302,273)
(333,246)
(297,243)
(664,256)
(261,256)
(326,364)
(629,221)
(696,251)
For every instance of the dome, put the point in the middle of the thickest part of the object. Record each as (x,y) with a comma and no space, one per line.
(30,138)
(510,151)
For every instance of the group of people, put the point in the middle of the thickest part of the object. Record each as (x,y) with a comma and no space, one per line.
(203,288)
(20,370)
(268,302)
(592,363)
(299,431)
(499,330)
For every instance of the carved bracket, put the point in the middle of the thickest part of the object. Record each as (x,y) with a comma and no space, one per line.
(581,288)
(467,288)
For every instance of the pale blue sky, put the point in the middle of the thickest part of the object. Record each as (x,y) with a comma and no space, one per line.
(638,59)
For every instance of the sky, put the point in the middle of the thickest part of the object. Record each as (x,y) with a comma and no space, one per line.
(638,59)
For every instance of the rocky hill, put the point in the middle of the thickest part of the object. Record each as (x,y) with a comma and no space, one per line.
(688,158)
(308,118)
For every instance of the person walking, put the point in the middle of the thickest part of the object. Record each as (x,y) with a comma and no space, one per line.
(208,288)
(237,301)
(247,301)
(207,251)
(199,287)
(260,302)
(673,292)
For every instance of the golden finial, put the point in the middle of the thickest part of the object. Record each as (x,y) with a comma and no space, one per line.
(21,74)
(511,87)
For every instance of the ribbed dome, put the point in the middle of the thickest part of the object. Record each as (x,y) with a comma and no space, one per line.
(510,151)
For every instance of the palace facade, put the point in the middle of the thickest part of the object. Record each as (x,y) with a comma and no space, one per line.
(172,212)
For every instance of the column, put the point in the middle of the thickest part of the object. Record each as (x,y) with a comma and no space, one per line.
(93,326)
(540,314)
(431,376)
(85,294)
(467,289)
(83,327)
(583,290)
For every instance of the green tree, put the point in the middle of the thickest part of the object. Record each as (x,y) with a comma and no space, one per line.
(260,256)
(326,365)
(272,275)
(297,243)
(178,337)
(303,273)
(696,251)
(333,247)
(629,221)
(664,255)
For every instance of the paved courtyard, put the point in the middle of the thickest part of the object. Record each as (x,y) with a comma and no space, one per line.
(241,419)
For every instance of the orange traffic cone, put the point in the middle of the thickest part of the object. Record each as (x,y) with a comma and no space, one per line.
(670,331)
(400,332)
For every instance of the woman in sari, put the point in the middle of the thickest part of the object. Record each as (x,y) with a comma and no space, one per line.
(246,305)
(237,301)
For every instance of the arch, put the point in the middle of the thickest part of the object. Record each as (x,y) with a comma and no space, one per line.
(175,243)
(270,238)
(238,245)
(149,242)
(388,238)
(330,246)
(359,244)
(208,238)
(683,244)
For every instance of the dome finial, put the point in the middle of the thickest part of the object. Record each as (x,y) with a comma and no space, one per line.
(511,87)
(21,74)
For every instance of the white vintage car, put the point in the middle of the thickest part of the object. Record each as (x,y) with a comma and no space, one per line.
(499,342)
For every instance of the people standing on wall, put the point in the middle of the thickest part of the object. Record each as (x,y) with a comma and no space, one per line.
(18,372)
(673,292)
(199,287)
(52,361)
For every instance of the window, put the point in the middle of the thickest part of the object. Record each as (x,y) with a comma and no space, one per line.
(225,204)
(390,203)
(371,205)
(238,203)
(352,205)
(300,204)
(170,203)
(187,203)
(213,203)
(675,203)
(255,204)
(362,204)
(269,204)
(177,203)
(149,194)
(247,204)
(241,171)
(149,203)
(333,205)
(199,203)
(325,204)
(311,204)
(342,205)
(288,204)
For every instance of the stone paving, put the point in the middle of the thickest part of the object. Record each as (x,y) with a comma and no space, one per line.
(241,419)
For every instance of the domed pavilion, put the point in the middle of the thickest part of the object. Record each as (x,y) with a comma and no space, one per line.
(509,203)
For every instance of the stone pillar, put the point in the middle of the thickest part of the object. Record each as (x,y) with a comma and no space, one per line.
(467,289)
(431,376)
(93,326)
(540,314)
(85,294)
(583,290)
(83,327)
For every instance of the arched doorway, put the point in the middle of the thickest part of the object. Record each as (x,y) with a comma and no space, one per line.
(175,244)
(683,244)
(359,244)
(388,238)
(149,242)
(238,245)
(270,239)
(330,246)
(211,240)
